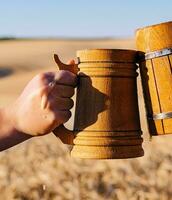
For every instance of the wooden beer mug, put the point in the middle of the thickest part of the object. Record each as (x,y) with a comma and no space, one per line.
(156,73)
(106,123)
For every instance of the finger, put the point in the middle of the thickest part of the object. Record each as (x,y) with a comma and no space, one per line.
(58,117)
(62,91)
(65,78)
(61,117)
(61,104)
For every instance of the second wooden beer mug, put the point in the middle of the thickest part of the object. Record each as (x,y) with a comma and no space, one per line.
(106,121)
(156,72)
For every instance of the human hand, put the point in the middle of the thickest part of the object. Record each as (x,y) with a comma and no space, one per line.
(44,103)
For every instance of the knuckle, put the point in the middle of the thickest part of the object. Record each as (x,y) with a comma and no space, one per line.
(63,74)
(66,76)
(45,77)
(41,76)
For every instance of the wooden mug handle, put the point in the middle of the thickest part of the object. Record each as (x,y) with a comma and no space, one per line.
(65,135)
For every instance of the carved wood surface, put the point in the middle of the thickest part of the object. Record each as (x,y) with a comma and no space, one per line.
(107,123)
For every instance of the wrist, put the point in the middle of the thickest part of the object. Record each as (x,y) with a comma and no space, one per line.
(9,135)
(9,122)
(7,115)
(6,120)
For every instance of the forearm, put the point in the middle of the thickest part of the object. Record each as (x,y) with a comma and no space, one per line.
(43,105)
(9,136)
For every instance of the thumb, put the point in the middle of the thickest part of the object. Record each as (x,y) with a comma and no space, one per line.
(71,62)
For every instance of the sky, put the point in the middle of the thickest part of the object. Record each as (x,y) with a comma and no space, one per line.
(80,18)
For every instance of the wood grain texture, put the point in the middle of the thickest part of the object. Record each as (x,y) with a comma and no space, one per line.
(152,100)
(153,38)
(107,123)
(157,81)
(170,61)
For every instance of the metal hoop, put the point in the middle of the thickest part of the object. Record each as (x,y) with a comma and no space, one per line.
(156,54)
(159,116)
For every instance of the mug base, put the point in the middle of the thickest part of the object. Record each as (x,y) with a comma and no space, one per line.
(108,147)
(115,152)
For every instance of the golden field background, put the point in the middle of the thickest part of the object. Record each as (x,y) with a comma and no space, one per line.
(42,168)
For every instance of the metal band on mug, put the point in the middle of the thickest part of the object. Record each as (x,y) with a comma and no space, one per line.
(164,115)
(156,54)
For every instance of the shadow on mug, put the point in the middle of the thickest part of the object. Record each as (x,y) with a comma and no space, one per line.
(89,103)
(146,92)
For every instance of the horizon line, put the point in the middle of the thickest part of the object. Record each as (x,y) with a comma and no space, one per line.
(64,38)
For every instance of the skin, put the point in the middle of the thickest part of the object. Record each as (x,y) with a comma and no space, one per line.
(43,105)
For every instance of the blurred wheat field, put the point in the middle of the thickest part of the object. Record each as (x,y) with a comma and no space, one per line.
(42,168)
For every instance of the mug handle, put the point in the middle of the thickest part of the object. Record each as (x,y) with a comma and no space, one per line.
(65,135)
